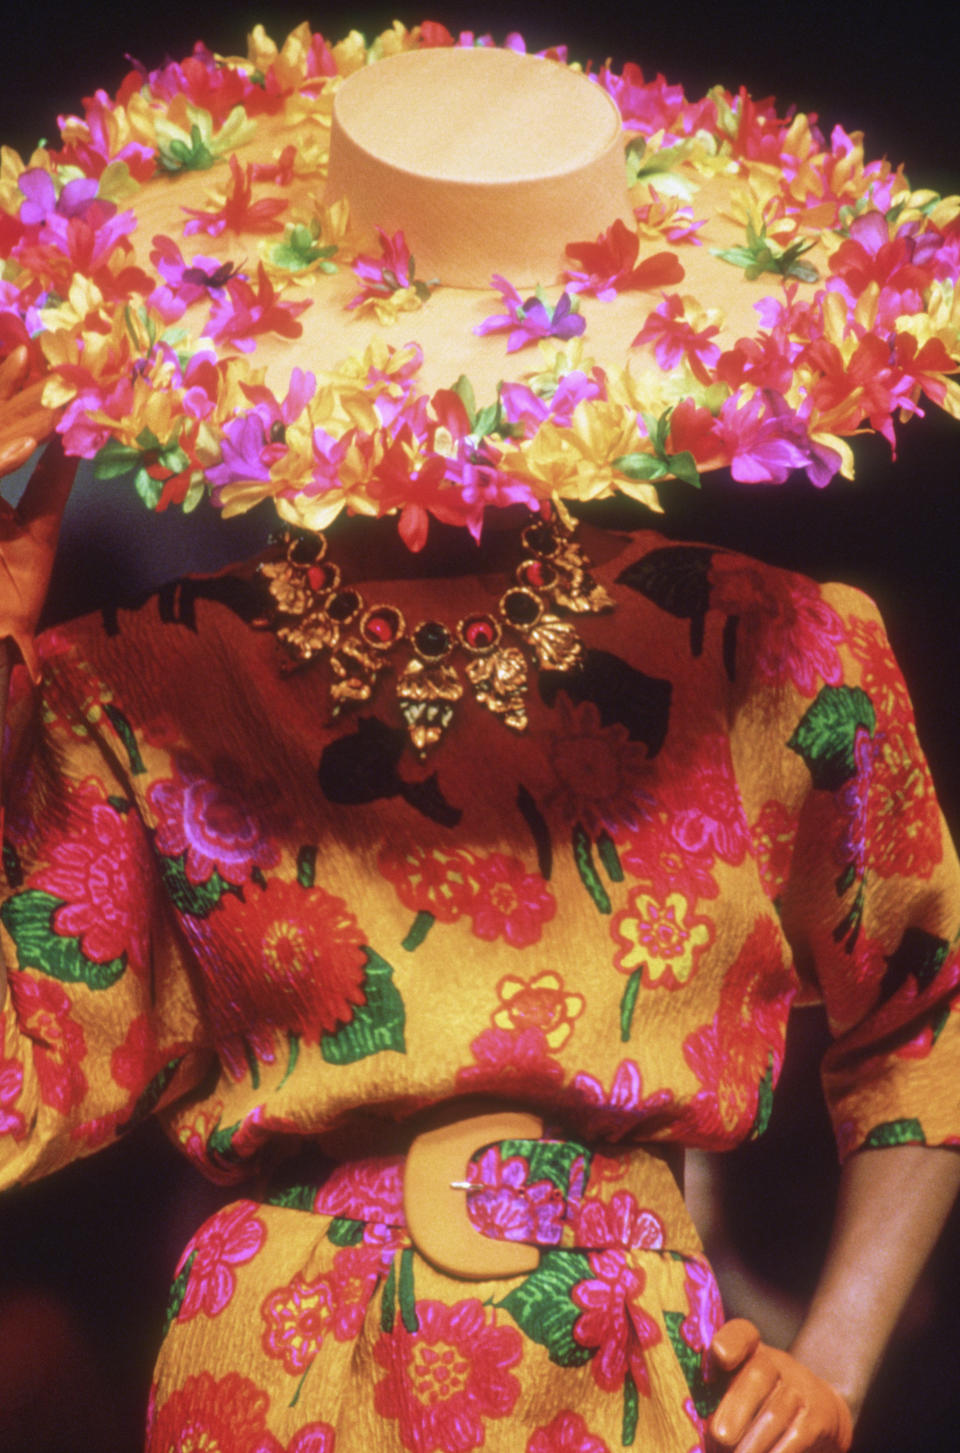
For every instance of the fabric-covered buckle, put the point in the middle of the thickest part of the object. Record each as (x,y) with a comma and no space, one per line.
(435,1202)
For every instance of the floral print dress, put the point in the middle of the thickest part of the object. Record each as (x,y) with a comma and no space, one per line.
(285,935)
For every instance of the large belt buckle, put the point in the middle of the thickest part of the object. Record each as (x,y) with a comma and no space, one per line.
(435,1200)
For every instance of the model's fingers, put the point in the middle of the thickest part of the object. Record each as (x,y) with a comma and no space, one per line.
(735,1341)
(744,1399)
(13,370)
(15,452)
(774,1421)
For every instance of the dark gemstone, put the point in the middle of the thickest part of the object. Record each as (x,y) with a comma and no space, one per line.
(305,550)
(278,432)
(540,539)
(520,607)
(431,640)
(343,605)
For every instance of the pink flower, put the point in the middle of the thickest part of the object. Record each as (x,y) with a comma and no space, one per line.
(674,339)
(620,1222)
(505,1207)
(443,1381)
(613,1321)
(759,443)
(247,312)
(707,816)
(102,874)
(11,1087)
(706,1309)
(510,903)
(185,282)
(211,823)
(650,106)
(522,406)
(609,265)
(239,213)
(601,777)
(518,1058)
(567,1433)
(207,1415)
(315,1437)
(385,275)
(231,1238)
(365,1190)
(297,1318)
(528,322)
(625,1108)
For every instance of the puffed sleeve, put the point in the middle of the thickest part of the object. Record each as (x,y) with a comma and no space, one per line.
(872,902)
(99,1026)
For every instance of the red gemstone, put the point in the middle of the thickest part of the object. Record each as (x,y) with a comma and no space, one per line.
(381,626)
(479,634)
(318,577)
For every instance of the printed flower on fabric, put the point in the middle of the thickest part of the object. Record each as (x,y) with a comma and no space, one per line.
(774,834)
(100,868)
(785,628)
(300,1315)
(507,1207)
(517,1060)
(428,880)
(210,1415)
(903,833)
(540,1003)
(567,1433)
(705,1313)
(43,1009)
(601,776)
(282,957)
(603,1115)
(880,676)
(445,1381)
(211,822)
(702,800)
(314,1438)
(614,1323)
(664,938)
(365,1190)
(510,902)
(229,1239)
(743,1045)
(654,857)
(620,1222)
(12,1121)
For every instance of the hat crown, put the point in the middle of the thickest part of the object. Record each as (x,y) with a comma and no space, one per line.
(487,160)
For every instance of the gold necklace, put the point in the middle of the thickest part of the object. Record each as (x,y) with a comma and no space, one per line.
(313,614)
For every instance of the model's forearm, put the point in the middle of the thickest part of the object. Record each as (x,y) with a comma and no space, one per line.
(891,1207)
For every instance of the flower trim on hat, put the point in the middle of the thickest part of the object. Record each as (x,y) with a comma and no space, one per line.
(135,393)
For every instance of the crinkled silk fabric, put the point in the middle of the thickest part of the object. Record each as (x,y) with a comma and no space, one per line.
(278,930)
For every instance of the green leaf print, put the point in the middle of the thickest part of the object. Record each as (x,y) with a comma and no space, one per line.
(307,866)
(631,1410)
(405,1293)
(149,1099)
(629,1003)
(28,918)
(706,1397)
(418,930)
(197,899)
(895,1132)
(764,1102)
(343,1230)
(376,1025)
(294,1198)
(827,731)
(178,1291)
(583,857)
(543,1306)
(610,858)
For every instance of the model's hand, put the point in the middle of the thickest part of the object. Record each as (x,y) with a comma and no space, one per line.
(774,1404)
(28,542)
(24,422)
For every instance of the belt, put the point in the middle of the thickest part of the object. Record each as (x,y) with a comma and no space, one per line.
(480,1195)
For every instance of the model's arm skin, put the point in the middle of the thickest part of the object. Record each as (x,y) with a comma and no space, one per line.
(892,1205)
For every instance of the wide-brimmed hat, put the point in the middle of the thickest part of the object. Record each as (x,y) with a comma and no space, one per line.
(436,278)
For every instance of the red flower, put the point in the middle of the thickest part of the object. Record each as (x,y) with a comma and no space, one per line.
(210,1416)
(655,858)
(245,313)
(239,213)
(101,874)
(609,265)
(428,879)
(510,902)
(619,1222)
(703,802)
(43,1011)
(613,1322)
(788,630)
(762,362)
(314,1438)
(692,431)
(601,775)
(211,822)
(518,1059)
(567,1433)
(231,1238)
(300,1315)
(774,834)
(444,1380)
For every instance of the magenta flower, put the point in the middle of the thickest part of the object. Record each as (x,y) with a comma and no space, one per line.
(675,340)
(11,1087)
(506,1208)
(760,444)
(620,1222)
(650,106)
(528,322)
(210,822)
(41,201)
(231,1238)
(246,312)
(523,407)
(385,275)
(253,441)
(624,1108)
(566,1433)
(185,282)
(613,1322)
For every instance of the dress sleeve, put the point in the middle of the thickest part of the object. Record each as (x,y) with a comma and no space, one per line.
(99,1026)
(872,903)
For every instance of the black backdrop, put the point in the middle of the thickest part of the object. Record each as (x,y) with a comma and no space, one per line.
(106,1236)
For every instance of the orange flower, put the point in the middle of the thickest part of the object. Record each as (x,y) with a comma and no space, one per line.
(539,1003)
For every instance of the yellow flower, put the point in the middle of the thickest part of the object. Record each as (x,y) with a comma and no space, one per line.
(539,1003)
(665,940)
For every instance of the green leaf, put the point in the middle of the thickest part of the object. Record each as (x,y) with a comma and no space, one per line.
(583,857)
(115,459)
(28,918)
(683,466)
(405,1292)
(706,1397)
(543,1306)
(764,1101)
(294,1042)
(148,488)
(628,1004)
(220,1144)
(610,858)
(640,466)
(197,899)
(488,421)
(463,388)
(896,1132)
(376,1025)
(149,1098)
(548,1160)
(294,1198)
(827,731)
(307,866)
(126,734)
(344,1231)
(178,1291)
(418,930)
(631,1410)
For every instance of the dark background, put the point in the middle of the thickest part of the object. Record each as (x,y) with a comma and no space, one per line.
(104,1238)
